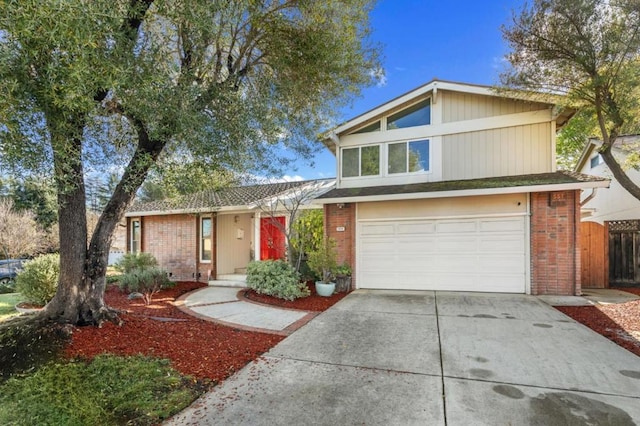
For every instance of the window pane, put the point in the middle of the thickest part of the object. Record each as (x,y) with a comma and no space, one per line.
(350,162)
(417,115)
(206,227)
(205,247)
(398,157)
(419,156)
(375,127)
(370,160)
(135,236)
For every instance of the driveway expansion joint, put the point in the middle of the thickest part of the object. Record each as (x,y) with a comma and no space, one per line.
(529,386)
(358,367)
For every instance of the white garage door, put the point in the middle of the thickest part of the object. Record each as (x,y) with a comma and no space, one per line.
(471,254)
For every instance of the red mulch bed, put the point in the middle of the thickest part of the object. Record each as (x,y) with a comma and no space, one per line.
(196,347)
(618,322)
(199,348)
(311,303)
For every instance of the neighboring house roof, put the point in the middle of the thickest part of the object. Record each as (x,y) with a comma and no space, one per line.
(618,147)
(556,181)
(234,198)
(561,115)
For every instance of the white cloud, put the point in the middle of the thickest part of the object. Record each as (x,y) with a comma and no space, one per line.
(379,76)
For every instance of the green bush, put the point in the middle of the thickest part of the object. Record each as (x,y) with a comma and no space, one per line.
(109,390)
(276,278)
(147,281)
(131,261)
(9,287)
(38,280)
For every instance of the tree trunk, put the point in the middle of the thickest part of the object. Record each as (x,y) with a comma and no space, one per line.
(76,300)
(618,173)
(80,295)
(609,135)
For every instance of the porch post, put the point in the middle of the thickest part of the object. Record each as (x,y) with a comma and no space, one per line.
(256,235)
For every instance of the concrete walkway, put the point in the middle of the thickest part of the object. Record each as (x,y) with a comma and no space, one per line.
(432,358)
(226,305)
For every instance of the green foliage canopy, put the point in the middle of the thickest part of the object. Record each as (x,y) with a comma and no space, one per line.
(588,50)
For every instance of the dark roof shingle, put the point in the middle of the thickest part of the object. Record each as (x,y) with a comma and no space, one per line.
(216,199)
(555,178)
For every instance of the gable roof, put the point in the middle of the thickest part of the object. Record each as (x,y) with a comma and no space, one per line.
(555,181)
(233,198)
(562,116)
(593,143)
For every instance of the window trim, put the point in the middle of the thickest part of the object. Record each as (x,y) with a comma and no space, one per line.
(360,175)
(138,246)
(201,239)
(409,173)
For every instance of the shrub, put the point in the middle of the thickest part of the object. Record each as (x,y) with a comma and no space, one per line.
(147,281)
(38,280)
(9,287)
(276,278)
(110,390)
(131,261)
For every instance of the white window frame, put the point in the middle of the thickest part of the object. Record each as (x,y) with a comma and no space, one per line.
(135,248)
(360,175)
(423,172)
(201,239)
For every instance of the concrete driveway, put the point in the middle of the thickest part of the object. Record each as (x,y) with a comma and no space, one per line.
(432,358)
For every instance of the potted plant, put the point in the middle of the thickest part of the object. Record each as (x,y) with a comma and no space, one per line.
(343,277)
(323,263)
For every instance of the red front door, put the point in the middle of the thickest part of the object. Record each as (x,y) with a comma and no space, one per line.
(272,241)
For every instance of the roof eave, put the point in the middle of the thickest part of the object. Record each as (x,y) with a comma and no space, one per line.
(426,88)
(467,192)
(226,209)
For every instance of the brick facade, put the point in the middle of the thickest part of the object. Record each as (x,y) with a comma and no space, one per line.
(340,224)
(174,241)
(555,243)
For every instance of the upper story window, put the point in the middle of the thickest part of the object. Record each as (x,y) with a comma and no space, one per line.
(596,161)
(361,161)
(135,237)
(375,127)
(205,239)
(408,157)
(416,115)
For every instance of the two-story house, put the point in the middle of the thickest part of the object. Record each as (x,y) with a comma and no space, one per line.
(454,187)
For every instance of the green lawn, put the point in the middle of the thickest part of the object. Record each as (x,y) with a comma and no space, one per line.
(7,303)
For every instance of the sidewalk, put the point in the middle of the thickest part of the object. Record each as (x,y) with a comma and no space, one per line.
(228,306)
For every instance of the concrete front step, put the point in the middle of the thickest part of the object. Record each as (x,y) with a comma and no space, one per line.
(230,280)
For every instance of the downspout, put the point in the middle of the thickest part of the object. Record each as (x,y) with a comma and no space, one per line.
(594,191)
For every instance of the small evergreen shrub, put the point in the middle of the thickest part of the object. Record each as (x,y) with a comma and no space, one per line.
(148,282)
(131,261)
(276,278)
(38,280)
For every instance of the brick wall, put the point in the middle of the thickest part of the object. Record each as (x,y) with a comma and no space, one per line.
(173,240)
(336,218)
(555,243)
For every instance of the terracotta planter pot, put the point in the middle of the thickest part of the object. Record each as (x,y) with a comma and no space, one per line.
(28,308)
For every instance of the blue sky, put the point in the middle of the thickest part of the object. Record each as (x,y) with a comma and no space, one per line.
(456,40)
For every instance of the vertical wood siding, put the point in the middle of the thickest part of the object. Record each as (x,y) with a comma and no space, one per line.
(464,106)
(497,152)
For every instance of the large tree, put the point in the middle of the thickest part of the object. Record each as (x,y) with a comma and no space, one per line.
(588,50)
(85,83)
